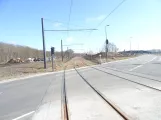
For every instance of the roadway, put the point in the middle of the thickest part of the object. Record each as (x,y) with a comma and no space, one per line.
(39,98)
(146,64)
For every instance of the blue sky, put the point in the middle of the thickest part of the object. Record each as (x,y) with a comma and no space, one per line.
(138,19)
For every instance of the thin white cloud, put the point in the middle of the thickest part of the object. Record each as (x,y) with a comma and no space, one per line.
(57,24)
(98,18)
(70,39)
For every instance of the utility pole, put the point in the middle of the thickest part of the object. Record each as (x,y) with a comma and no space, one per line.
(62,50)
(52,57)
(106,42)
(44,51)
(43,38)
(106,49)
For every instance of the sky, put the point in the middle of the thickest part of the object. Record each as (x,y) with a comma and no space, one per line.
(138,21)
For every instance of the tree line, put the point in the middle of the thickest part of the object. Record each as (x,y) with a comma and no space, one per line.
(10,51)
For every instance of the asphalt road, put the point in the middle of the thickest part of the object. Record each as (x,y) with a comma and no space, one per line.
(38,98)
(146,64)
(23,96)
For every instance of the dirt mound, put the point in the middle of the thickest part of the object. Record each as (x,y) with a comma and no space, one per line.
(18,60)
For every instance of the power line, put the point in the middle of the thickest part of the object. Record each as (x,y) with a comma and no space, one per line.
(66,23)
(109,15)
(72,30)
(74,44)
(81,28)
(111,12)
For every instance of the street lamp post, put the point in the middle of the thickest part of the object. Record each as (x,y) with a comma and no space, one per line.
(106,42)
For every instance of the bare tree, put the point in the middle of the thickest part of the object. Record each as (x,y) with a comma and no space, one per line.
(9,51)
(111,47)
(68,53)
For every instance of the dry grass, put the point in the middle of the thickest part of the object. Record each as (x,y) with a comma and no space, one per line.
(8,71)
